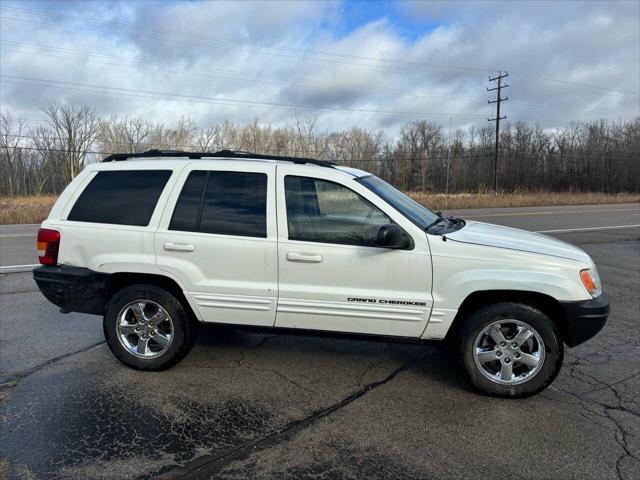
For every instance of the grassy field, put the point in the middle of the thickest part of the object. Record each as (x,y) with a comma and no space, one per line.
(438,201)
(35,209)
(25,209)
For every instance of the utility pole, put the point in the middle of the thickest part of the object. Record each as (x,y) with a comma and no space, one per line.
(497,119)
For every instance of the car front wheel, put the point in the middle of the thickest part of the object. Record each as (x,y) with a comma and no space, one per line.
(511,350)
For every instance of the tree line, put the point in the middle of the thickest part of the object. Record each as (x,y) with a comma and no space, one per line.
(599,156)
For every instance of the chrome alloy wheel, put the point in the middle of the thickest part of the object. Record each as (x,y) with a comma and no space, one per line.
(508,352)
(145,329)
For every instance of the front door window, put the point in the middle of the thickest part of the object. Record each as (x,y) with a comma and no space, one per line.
(323,211)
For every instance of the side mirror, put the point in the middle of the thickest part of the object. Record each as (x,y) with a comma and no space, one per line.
(392,236)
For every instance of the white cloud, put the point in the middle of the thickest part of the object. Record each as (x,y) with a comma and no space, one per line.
(264,52)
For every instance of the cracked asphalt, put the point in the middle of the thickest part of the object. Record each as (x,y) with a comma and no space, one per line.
(247,405)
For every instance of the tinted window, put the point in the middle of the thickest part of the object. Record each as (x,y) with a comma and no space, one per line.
(186,214)
(234,203)
(323,211)
(126,197)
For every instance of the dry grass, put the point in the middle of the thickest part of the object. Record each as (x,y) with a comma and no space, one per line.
(4,469)
(35,209)
(438,201)
(25,209)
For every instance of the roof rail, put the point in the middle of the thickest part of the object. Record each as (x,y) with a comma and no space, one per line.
(118,157)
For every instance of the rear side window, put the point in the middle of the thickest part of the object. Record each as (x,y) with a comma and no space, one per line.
(229,203)
(125,197)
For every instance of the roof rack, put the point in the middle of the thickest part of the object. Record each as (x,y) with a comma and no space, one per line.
(118,157)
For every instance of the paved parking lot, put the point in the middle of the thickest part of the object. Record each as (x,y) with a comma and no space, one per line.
(245,405)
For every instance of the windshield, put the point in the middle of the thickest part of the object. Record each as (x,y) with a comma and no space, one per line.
(418,214)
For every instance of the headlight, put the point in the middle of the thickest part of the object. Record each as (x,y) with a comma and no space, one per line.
(591,281)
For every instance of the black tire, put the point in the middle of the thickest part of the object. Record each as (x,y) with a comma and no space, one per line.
(531,316)
(184,327)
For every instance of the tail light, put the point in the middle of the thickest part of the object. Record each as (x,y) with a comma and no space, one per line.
(48,245)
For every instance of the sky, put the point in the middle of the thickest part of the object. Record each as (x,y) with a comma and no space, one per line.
(375,64)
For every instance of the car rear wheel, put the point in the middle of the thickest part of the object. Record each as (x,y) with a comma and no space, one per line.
(511,350)
(147,328)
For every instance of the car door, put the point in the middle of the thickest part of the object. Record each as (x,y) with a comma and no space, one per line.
(218,239)
(332,276)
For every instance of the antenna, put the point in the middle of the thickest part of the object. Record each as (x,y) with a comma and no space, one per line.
(446,190)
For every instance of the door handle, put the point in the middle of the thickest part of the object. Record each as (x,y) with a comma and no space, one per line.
(179,247)
(304,257)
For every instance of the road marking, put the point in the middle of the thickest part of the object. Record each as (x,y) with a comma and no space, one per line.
(16,235)
(550,213)
(19,266)
(587,228)
(20,225)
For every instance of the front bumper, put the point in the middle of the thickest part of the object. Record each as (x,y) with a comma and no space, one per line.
(73,289)
(585,319)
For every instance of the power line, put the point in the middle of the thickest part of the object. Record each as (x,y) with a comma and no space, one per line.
(574,84)
(244,76)
(103,89)
(60,150)
(571,89)
(162,145)
(234,46)
(497,119)
(537,121)
(233,43)
(322,152)
(232,75)
(519,119)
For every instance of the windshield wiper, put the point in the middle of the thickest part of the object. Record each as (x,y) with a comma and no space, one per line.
(435,222)
(449,222)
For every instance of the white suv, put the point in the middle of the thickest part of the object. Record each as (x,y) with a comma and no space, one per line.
(160,241)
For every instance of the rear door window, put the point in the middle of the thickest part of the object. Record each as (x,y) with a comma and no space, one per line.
(187,211)
(125,197)
(228,203)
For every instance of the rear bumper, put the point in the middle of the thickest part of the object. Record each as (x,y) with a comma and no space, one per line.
(73,289)
(585,319)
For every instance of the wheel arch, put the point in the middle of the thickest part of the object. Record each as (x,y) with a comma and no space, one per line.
(120,280)
(476,300)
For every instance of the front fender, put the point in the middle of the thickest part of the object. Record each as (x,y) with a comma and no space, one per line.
(460,269)
(558,284)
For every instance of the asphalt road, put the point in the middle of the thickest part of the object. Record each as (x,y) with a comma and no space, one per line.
(245,405)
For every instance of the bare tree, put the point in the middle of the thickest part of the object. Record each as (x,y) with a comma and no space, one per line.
(126,134)
(75,129)
(51,174)
(305,141)
(11,136)
(420,147)
(594,156)
(356,148)
(180,138)
(209,139)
